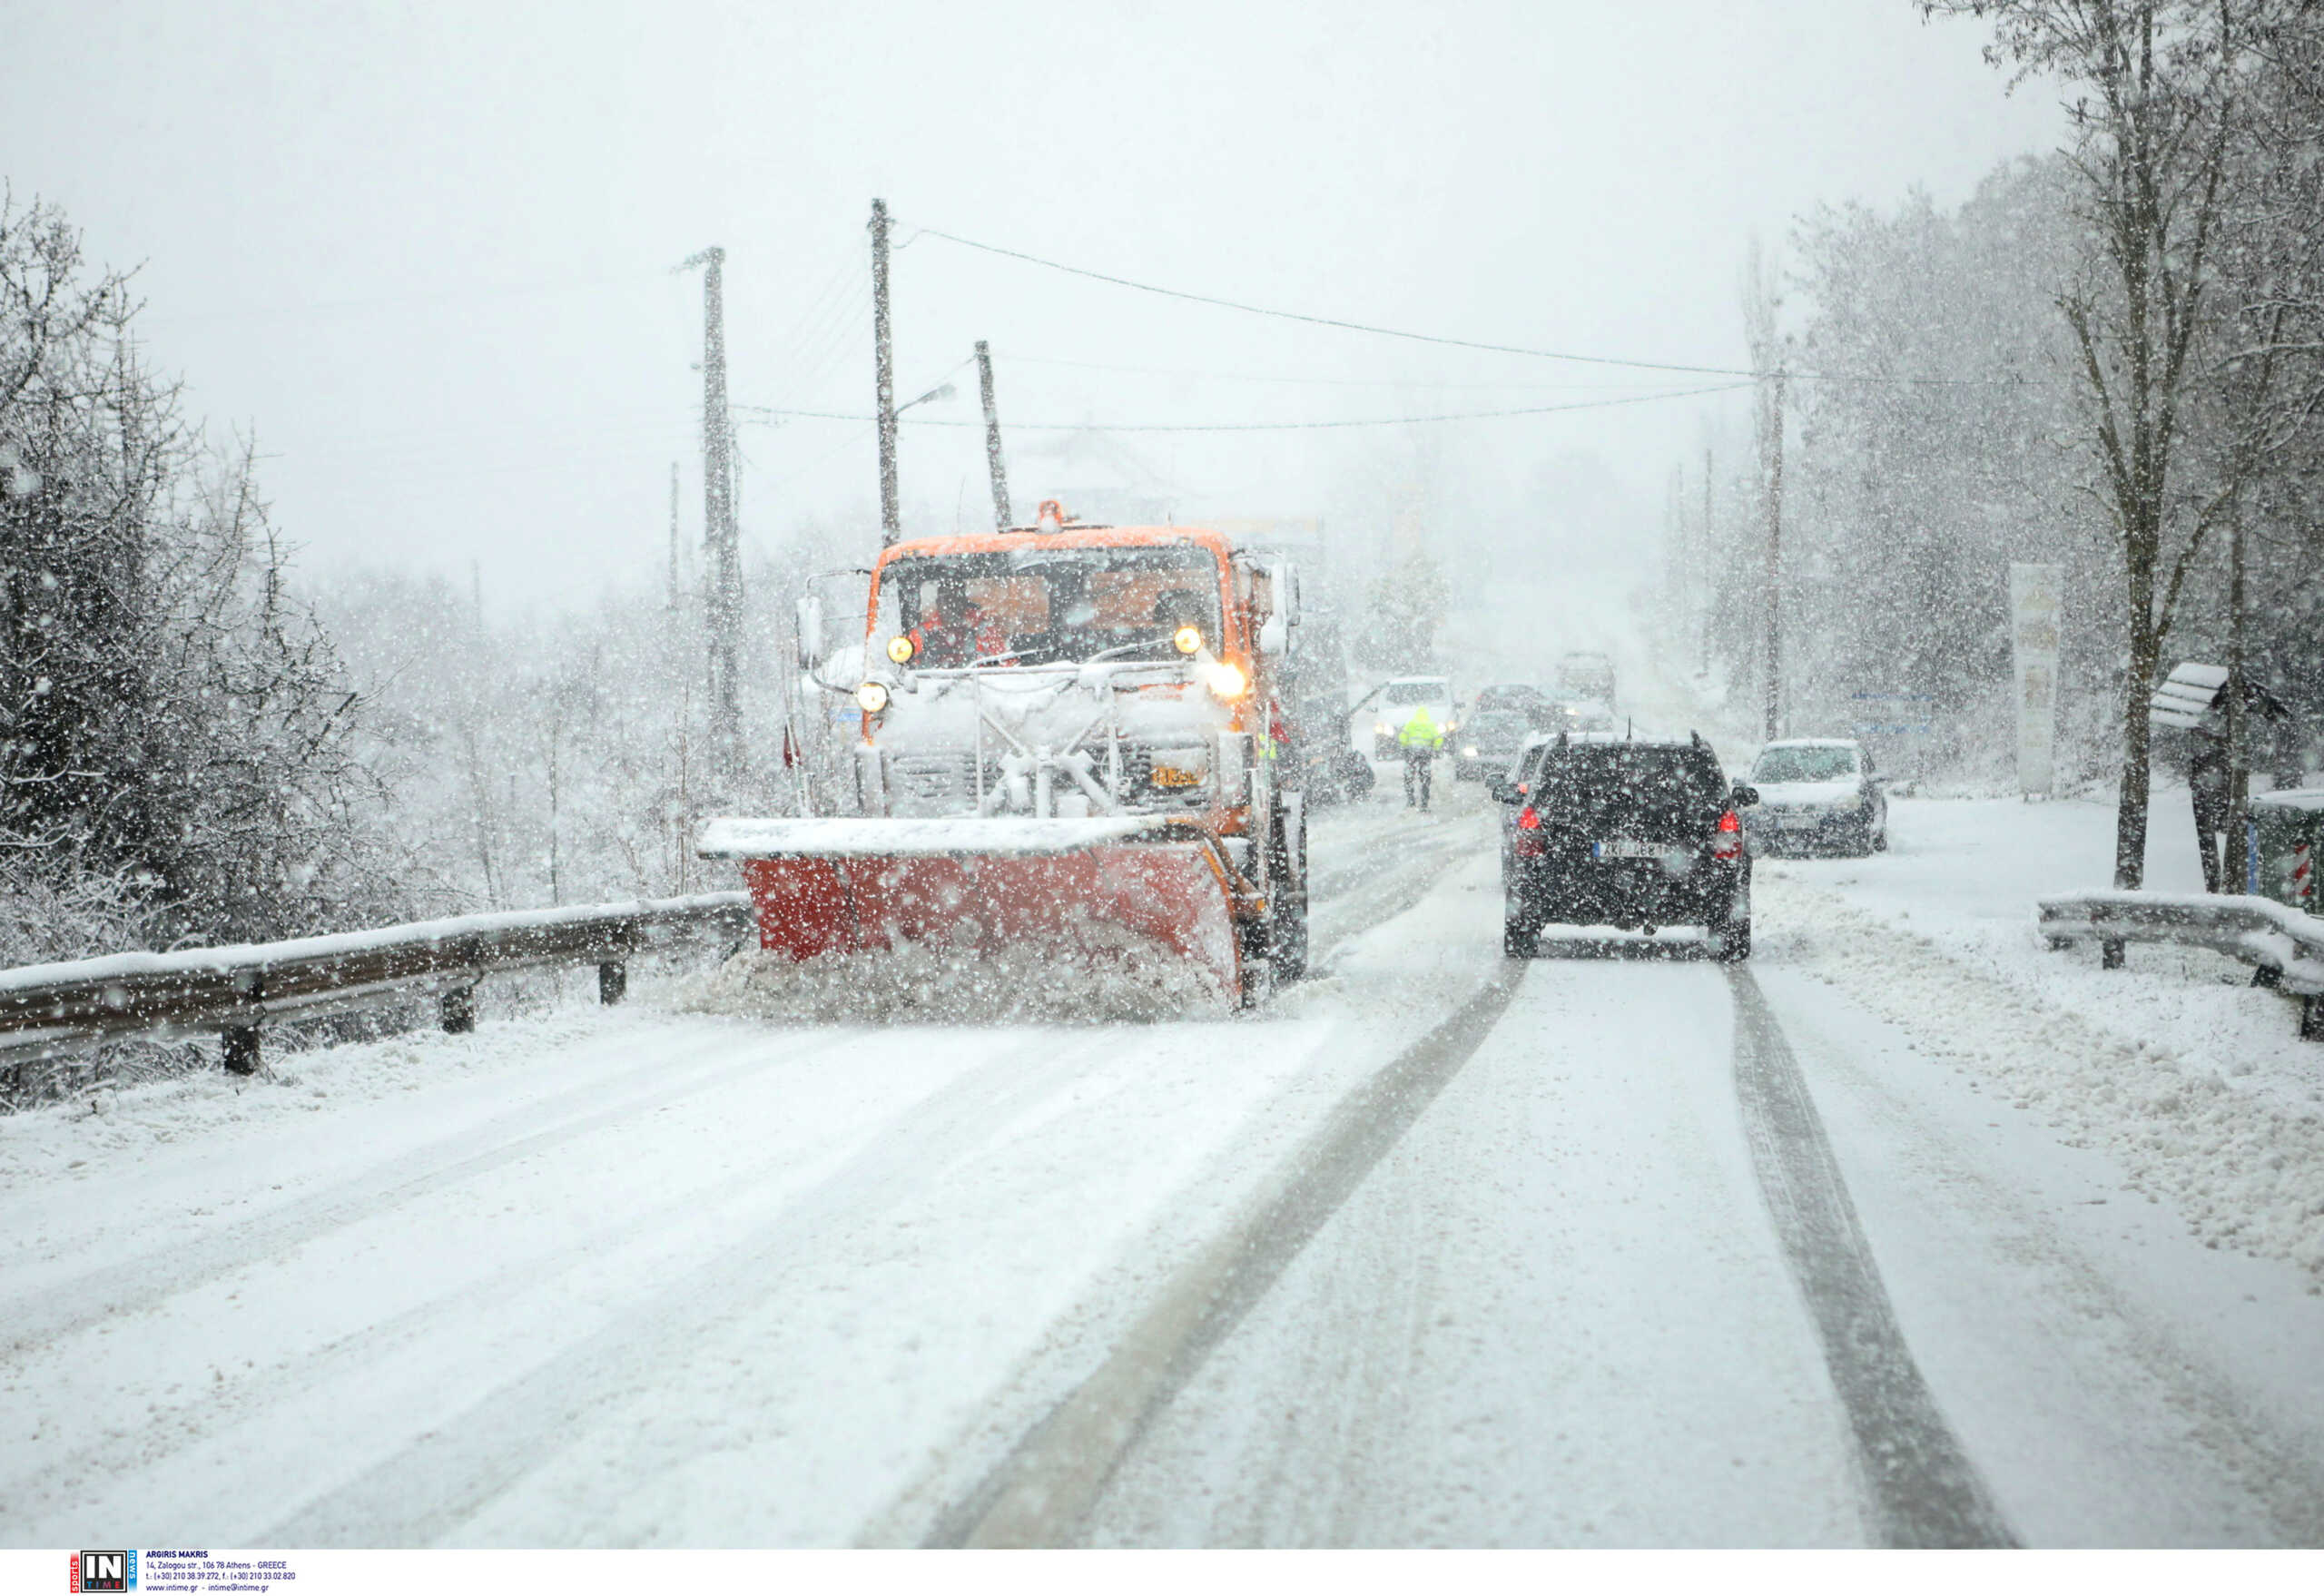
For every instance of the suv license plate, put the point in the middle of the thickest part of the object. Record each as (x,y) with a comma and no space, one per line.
(1628,847)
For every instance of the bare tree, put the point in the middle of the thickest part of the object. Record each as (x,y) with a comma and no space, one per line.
(2154,88)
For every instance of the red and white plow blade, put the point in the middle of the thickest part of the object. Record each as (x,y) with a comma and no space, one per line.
(979,886)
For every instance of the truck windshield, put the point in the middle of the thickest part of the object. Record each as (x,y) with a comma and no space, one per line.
(1043,604)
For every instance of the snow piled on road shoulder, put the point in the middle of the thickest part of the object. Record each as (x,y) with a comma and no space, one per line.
(1108,976)
(2238,1150)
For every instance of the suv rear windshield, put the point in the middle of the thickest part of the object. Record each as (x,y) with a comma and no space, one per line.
(1627,789)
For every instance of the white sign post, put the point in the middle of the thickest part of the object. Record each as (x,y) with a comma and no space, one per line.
(2033,638)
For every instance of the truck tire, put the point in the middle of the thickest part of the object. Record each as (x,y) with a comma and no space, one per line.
(1287,949)
(1521,934)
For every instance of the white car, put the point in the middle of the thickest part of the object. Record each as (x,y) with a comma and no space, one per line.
(1391,704)
(1817,794)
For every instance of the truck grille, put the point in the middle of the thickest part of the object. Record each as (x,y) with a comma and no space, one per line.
(933,783)
(1137,779)
(928,784)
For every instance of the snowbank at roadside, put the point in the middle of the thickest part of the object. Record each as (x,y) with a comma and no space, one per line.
(2194,1081)
(99,1132)
(1106,975)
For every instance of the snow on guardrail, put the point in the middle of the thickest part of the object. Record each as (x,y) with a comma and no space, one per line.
(2284,945)
(46,1010)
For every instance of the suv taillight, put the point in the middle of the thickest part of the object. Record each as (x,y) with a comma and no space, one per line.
(1529,844)
(1528,821)
(1728,842)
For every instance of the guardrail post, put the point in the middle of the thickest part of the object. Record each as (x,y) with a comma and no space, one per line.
(613,980)
(458,1007)
(2110,953)
(2311,1018)
(242,1050)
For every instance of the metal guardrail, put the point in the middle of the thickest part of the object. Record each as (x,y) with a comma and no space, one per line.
(47,1010)
(2284,946)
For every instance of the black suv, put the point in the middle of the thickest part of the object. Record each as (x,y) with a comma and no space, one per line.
(1633,832)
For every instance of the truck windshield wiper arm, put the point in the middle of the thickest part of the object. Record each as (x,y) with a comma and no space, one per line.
(1125,648)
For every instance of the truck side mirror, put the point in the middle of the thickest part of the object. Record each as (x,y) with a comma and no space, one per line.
(809,616)
(1283,611)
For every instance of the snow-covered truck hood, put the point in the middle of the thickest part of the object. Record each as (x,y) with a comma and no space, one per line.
(1130,735)
(1147,703)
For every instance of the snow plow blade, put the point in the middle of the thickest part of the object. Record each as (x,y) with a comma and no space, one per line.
(1095,887)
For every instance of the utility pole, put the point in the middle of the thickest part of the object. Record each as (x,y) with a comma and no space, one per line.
(883,361)
(1000,516)
(1710,585)
(1773,704)
(674,584)
(1680,598)
(723,599)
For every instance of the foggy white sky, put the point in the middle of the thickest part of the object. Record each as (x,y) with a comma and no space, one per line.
(425,252)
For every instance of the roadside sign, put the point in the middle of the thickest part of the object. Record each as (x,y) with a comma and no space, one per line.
(2034,648)
(2186,695)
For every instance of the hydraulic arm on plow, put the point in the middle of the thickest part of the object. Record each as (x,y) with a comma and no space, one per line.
(1067,734)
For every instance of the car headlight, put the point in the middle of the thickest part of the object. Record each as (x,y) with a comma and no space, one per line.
(1468,754)
(872,696)
(1380,728)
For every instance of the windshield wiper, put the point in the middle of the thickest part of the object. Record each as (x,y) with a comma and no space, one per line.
(1125,648)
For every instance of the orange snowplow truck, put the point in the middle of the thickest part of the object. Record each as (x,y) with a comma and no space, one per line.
(1069,735)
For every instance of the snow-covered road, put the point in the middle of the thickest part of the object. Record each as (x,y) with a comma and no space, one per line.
(1620,1248)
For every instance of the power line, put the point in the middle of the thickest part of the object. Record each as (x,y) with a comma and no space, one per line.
(771,412)
(1460,343)
(1018,360)
(1877,378)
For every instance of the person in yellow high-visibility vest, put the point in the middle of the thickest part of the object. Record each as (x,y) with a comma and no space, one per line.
(1419,741)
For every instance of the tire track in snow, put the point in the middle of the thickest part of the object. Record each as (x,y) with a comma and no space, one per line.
(1041,1493)
(130,1287)
(1366,895)
(209,1420)
(426,1489)
(1924,1491)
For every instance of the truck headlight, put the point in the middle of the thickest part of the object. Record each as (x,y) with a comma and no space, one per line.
(872,696)
(901,649)
(1224,677)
